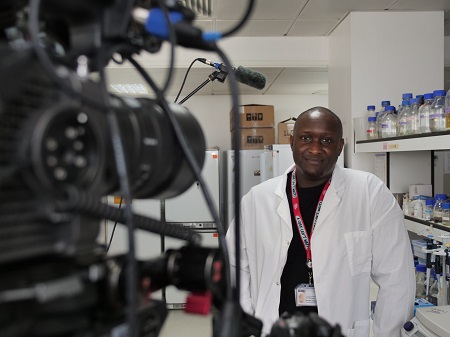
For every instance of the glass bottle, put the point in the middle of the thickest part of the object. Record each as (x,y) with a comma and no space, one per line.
(434,289)
(381,115)
(437,116)
(447,110)
(428,212)
(424,113)
(372,128)
(420,100)
(421,279)
(389,123)
(412,118)
(402,118)
(437,209)
(370,111)
(446,214)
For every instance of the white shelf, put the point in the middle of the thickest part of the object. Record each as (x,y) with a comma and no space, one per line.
(421,143)
(426,230)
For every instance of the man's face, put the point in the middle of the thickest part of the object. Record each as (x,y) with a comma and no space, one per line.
(316,146)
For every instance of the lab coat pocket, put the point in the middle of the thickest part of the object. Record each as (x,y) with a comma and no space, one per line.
(359,247)
(360,329)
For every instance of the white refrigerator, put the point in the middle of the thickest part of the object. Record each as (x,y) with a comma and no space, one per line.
(250,175)
(190,209)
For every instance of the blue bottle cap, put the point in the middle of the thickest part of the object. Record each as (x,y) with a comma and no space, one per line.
(407,95)
(371,107)
(446,205)
(385,103)
(413,100)
(428,95)
(439,93)
(372,119)
(405,102)
(429,202)
(390,108)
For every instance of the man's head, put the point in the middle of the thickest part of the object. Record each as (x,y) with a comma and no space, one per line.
(316,144)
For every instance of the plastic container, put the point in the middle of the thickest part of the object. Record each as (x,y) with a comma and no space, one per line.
(372,128)
(418,209)
(437,113)
(389,123)
(421,278)
(424,113)
(402,118)
(412,118)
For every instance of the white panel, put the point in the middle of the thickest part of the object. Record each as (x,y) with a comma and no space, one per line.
(299,88)
(256,27)
(332,9)
(408,168)
(420,5)
(304,75)
(305,27)
(191,205)
(282,158)
(266,165)
(250,176)
(264,9)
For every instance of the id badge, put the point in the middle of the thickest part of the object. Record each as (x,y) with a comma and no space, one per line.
(305,295)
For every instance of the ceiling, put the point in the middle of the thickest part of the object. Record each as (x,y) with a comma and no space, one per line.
(271,18)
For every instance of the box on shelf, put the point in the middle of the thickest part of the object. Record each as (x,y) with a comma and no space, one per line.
(417,246)
(254,116)
(420,189)
(285,129)
(254,139)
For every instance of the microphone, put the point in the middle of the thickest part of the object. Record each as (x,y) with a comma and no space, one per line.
(243,75)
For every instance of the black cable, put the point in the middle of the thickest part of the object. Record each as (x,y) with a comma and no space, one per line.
(241,23)
(196,170)
(184,80)
(124,183)
(237,170)
(114,228)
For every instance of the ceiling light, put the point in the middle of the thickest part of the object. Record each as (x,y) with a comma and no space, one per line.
(132,88)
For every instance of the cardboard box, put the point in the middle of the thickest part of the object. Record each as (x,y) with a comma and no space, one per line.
(254,116)
(285,129)
(254,139)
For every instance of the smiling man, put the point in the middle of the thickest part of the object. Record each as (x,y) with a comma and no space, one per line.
(314,238)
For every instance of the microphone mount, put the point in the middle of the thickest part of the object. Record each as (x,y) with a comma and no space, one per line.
(219,75)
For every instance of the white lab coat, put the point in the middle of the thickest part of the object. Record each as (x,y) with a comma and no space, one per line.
(359,235)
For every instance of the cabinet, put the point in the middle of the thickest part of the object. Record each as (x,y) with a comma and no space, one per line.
(411,160)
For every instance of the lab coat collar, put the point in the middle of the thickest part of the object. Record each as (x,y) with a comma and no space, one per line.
(332,198)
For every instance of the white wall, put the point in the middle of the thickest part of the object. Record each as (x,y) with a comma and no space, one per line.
(213,112)
(376,56)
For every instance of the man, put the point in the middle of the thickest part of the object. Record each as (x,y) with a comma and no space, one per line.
(313,238)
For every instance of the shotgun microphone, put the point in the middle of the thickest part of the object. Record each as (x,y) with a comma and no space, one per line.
(243,75)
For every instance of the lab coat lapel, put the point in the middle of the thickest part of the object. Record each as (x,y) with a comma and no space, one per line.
(283,207)
(333,196)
